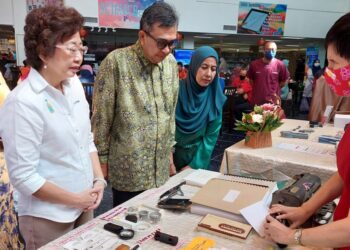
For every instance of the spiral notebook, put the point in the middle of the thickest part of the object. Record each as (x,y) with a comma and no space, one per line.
(230,195)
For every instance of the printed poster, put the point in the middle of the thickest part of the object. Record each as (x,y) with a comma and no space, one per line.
(35,4)
(122,13)
(311,55)
(261,18)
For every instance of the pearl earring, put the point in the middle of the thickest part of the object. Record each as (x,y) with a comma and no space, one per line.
(45,66)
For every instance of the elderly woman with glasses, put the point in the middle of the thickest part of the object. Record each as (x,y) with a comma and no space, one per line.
(46,132)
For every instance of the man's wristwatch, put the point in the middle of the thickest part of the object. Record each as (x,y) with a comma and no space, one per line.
(101,180)
(297,236)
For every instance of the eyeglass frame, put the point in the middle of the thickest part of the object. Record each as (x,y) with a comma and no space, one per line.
(170,44)
(74,48)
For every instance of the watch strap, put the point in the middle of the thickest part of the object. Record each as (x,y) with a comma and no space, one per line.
(101,180)
(297,236)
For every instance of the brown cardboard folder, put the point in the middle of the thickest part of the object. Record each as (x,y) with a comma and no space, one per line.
(228,195)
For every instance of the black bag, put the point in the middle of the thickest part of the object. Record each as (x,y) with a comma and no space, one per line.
(298,192)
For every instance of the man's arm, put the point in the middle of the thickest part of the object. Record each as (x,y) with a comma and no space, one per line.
(175,80)
(104,101)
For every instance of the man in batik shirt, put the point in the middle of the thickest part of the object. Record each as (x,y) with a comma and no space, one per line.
(134,102)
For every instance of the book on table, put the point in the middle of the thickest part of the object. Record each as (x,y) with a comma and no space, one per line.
(228,195)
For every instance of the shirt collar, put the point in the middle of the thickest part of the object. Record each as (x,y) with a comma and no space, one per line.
(38,83)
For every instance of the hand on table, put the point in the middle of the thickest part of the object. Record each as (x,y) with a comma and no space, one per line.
(296,216)
(277,232)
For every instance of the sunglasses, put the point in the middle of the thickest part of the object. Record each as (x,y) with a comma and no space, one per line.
(162,43)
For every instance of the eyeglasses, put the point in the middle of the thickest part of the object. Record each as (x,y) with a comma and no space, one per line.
(162,43)
(74,49)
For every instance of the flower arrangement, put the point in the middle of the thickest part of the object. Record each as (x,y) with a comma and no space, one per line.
(264,118)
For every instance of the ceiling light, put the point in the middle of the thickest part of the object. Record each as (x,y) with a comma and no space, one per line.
(271,40)
(92,28)
(216,34)
(113,30)
(106,30)
(99,29)
(203,37)
(292,37)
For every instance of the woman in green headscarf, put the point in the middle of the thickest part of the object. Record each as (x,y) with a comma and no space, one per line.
(198,111)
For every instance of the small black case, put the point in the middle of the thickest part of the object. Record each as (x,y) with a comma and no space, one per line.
(113,228)
(177,204)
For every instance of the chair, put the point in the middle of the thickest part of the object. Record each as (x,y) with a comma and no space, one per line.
(227,113)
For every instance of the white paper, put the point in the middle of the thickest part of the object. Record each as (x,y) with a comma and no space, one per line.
(231,196)
(256,214)
(200,177)
(96,238)
(307,149)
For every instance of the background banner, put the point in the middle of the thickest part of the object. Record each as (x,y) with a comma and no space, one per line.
(261,18)
(35,4)
(122,13)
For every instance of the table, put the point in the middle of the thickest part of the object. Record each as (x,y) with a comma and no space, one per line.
(182,225)
(290,156)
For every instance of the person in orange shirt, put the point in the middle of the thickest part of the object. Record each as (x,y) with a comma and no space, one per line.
(243,95)
(24,70)
(182,71)
(242,85)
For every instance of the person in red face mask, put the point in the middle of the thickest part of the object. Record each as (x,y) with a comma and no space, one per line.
(335,234)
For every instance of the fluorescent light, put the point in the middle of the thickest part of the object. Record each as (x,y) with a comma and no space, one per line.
(273,40)
(292,45)
(203,37)
(216,34)
(292,37)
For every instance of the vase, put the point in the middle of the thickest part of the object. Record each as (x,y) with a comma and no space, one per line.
(258,139)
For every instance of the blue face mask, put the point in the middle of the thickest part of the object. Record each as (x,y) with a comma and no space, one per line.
(270,54)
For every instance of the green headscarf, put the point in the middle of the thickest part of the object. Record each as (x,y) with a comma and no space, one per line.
(197,106)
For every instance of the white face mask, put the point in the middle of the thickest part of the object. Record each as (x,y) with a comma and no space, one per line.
(317,64)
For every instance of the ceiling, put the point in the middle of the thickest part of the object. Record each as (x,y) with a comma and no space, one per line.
(226,42)
(243,43)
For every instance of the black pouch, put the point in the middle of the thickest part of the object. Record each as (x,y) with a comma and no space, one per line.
(177,204)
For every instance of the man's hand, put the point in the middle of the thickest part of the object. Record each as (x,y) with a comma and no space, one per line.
(185,167)
(104,168)
(172,169)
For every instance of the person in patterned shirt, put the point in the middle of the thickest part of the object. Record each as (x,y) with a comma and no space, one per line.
(134,103)
(9,233)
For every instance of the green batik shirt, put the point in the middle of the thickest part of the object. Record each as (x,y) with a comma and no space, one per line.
(134,118)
